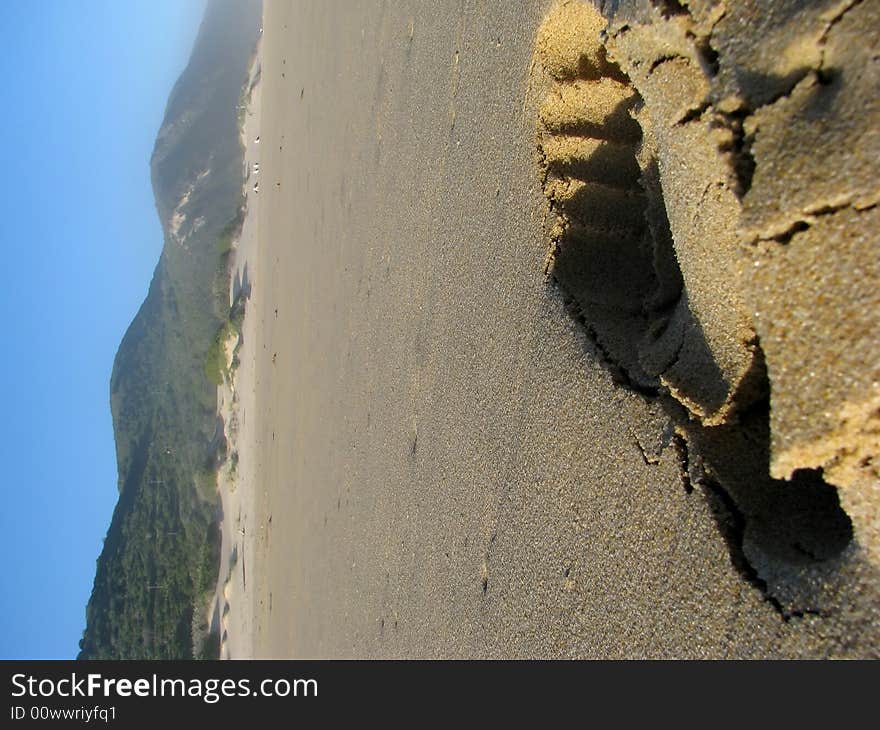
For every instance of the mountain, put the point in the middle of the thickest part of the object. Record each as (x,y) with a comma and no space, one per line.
(161,551)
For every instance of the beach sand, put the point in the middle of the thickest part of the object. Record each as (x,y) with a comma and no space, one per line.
(436,459)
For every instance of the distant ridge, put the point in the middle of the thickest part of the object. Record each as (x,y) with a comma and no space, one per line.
(160,554)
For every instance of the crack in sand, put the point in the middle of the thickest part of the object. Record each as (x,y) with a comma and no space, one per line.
(813,214)
(823,39)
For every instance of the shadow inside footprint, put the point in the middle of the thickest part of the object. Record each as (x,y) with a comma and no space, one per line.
(787,537)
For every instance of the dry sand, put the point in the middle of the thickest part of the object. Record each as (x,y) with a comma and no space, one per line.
(442,460)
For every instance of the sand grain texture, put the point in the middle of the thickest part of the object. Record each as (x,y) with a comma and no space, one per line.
(451,463)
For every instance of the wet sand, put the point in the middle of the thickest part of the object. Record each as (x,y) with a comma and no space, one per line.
(442,462)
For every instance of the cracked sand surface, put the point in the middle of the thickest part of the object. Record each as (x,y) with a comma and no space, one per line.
(787,100)
(700,294)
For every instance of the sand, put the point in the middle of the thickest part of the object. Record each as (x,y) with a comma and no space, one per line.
(442,453)
(787,207)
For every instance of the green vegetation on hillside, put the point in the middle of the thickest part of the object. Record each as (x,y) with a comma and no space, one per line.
(161,552)
(215,361)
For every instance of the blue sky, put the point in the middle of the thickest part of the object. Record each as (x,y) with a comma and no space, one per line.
(87,84)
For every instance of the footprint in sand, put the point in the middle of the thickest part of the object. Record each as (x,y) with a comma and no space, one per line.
(612,253)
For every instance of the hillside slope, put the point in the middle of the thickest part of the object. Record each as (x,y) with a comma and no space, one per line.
(160,552)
